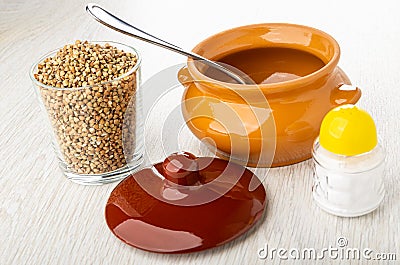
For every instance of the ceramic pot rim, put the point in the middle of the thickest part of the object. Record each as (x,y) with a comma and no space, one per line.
(273,87)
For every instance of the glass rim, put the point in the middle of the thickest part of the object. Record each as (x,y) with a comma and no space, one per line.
(49,54)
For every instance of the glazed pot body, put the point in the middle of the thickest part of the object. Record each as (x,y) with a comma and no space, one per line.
(267,124)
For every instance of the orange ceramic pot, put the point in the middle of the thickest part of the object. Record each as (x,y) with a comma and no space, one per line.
(247,123)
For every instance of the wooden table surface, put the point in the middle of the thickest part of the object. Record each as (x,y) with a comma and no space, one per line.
(46,219)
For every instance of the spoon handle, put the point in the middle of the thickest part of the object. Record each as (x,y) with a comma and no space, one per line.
(114,22)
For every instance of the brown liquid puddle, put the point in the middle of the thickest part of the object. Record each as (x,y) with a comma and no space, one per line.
(270,65)
(172,219)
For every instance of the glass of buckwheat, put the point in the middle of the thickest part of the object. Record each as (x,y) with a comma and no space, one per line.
(91,94)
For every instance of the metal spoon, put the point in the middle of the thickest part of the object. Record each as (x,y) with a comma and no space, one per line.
(111,21)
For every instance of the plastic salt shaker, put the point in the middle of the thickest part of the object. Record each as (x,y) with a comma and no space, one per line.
(349,163)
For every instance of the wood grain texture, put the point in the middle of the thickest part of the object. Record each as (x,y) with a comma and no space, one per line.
(45,219)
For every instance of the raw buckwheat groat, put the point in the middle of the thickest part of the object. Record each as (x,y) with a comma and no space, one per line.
(91,87)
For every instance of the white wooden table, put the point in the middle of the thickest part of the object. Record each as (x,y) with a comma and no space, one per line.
(46,219)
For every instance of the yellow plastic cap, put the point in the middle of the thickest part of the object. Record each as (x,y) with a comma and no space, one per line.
(348,130)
